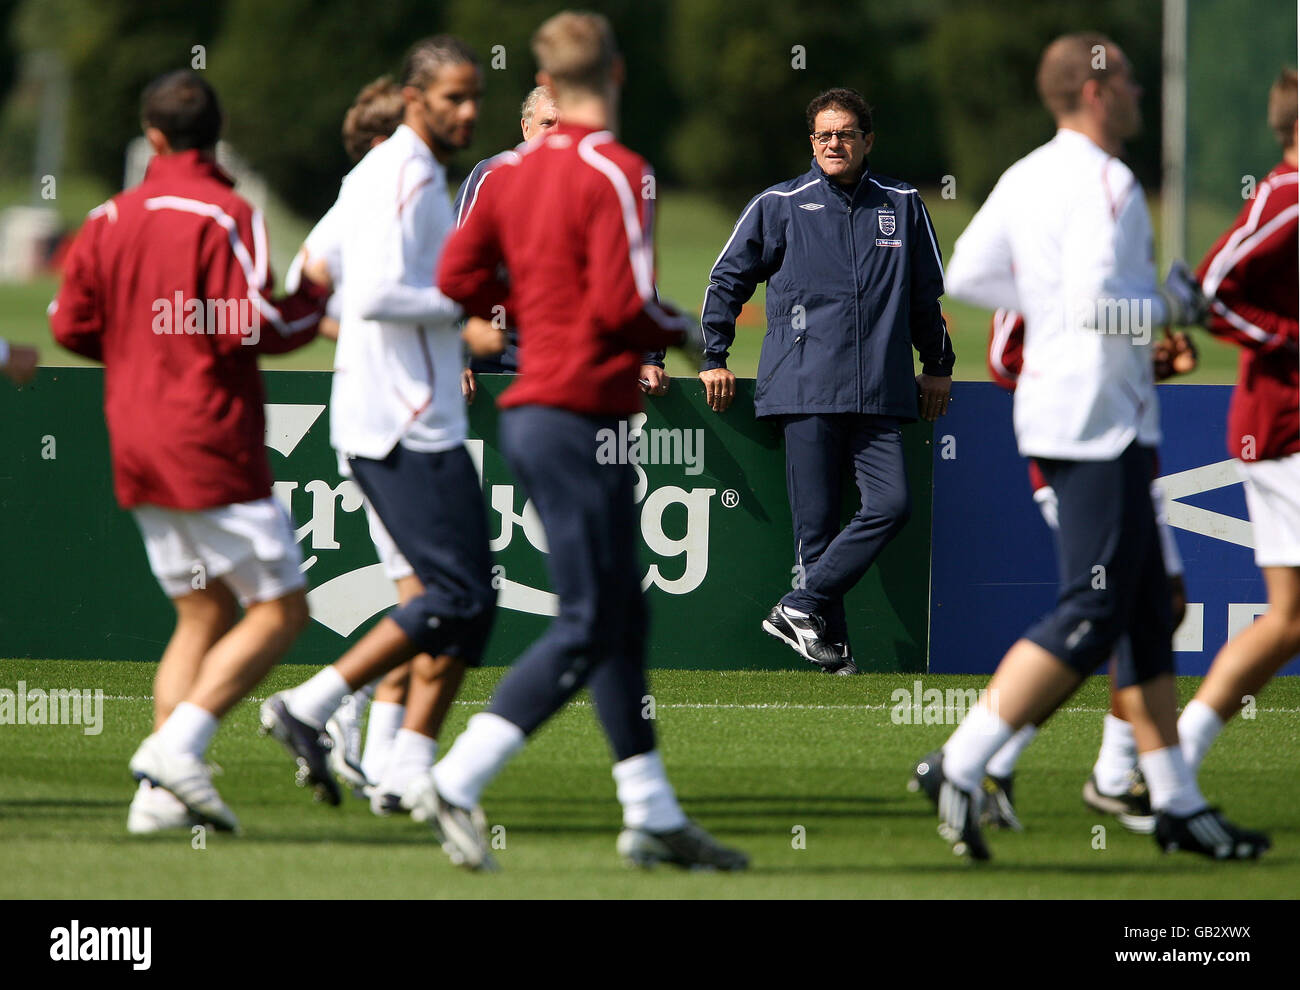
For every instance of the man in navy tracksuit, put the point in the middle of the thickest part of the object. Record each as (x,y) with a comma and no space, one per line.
(854,277)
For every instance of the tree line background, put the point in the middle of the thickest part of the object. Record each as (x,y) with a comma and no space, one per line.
(714,99)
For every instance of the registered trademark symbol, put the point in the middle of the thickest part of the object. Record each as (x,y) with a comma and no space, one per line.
(731,498)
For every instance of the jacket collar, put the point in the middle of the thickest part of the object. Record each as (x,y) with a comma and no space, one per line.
(849,193)
(414,145)
(192,164)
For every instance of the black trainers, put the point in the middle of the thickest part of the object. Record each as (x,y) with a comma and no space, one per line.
(927,776)
(959,821)
(1207,832)
(806,635)
(846,666)
(1132,808)
(308,746)
(959,811)
(689,847)
(999,807)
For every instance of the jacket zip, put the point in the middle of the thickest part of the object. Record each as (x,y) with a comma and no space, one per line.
(857,315)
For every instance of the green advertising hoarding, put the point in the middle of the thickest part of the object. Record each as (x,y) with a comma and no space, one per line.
(717,550)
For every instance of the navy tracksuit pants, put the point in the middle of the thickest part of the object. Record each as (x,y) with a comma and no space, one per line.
(829,560)
(598,639)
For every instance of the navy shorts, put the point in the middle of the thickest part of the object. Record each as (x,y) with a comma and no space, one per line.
(1114,593)
(432,506)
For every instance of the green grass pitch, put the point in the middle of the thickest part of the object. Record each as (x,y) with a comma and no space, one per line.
(763,759)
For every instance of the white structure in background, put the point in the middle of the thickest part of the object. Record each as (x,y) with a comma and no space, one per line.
(26,235)
(248,183)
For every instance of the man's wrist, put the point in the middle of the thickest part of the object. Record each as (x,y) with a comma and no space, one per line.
(936,370)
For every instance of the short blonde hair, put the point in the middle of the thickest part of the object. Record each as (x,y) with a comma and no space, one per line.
(1282,107)
(576,49)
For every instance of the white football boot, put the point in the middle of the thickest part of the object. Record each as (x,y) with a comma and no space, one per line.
(156,810)
(187,777)
(344,728)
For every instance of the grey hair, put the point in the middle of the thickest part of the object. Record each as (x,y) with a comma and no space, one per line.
(531,101)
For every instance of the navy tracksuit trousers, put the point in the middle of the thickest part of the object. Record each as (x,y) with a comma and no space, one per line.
(591,521)
(829,560)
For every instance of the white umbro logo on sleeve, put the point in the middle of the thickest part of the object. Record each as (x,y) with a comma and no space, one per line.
(811,206)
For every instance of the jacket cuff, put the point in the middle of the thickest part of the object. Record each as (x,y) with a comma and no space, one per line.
(713,362)
(314,291)
(936,370)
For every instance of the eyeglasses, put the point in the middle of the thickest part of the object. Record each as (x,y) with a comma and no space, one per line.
(824,137)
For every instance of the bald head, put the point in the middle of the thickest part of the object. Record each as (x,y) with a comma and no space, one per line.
(1071,61)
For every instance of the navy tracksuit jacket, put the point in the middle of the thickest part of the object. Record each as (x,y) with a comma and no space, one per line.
(853,279)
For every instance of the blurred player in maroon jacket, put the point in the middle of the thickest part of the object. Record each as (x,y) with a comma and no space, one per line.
(571,218)
(167,284)
(1250,280)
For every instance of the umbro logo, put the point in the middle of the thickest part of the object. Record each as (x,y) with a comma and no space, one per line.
(811,206)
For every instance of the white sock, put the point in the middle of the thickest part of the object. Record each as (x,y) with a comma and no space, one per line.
(1003,763)
(316,699)
(381,730)
(364,694)
(1198,727)
(646,796)
(478,754)
(968,750)
(412,756)
(188,729)
(1173,788)
(1117,758)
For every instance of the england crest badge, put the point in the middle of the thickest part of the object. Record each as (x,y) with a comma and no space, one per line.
(886,222)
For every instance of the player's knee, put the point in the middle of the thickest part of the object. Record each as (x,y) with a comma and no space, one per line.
(893,508)
(578,633)
(429,670)
(289,613)
(211,611)
(899,509)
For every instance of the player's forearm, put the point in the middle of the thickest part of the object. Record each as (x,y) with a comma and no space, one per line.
(1253,327)
(718,324)
(933,343)
(290,322)
(396,303)
(650,328)
(79,337)
(987,287)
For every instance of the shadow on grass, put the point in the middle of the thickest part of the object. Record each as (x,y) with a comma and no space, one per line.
(1162,867)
